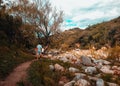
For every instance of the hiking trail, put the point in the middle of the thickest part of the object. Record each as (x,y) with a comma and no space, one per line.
(18,74)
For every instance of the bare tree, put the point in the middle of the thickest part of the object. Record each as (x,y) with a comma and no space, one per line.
(49,19)
(41,15)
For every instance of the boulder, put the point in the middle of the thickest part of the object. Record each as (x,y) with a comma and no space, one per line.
(79,76)
(103,62)
(100,82)
(114,67)
(72,69)
(86,60)
(58,67)
(106,62)
(106,69)
(64,59)
(99,65)
(90,70)
(82,82)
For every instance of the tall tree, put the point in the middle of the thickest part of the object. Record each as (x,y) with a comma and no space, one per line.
(41,15)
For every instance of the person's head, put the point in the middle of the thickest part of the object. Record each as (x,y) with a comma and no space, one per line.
(39,42)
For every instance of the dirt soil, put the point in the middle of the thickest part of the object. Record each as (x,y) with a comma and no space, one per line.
(18,74)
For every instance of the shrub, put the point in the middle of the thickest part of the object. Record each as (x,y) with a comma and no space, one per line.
(114,53)
(39,73)
(107,77)
(64,46)
(10,58)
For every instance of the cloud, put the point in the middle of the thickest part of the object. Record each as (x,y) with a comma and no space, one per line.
(81,13)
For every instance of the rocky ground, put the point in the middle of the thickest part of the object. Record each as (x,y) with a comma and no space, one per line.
(92,68)
(95,69)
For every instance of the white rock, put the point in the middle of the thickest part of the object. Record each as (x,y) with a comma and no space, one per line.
(72,69)
(71,83)
(86,60)
(90,70)
(82,82)
(79,76)
(106,69)
(49,55)
(106,62)
(64,59)
(51,67)
(99,65)
(58,67)
(100,82)
(114,67)
(61,83)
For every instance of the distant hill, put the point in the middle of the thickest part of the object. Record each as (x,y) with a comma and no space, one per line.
(101,34)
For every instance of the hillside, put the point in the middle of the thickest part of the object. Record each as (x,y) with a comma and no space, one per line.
(102,34)
(106,33)
(65,39)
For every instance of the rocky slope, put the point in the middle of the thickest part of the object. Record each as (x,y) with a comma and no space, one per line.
(98,35)
(95,70)
(76,67)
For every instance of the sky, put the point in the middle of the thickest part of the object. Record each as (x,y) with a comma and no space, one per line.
(82,13)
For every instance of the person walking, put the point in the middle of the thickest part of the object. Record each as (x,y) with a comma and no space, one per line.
(39,51)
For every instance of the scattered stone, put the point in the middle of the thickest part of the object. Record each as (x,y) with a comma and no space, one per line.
(117,72)
(51,67)
(72,69)
(93,78)
(112,84)
(100,82)
(58,67)
(49,55)
(102,62)
(79,76)
(64,59)
(114,67)
(118,68)
(99,65)
(98,75)
(78,62)
(90,70)
(71,83)
(63,80)
(106,62)
(99,61)
(61,83)
(106,69)
(82,82)
(86,60)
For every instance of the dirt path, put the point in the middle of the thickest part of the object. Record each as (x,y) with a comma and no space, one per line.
(18,74)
